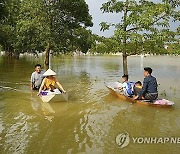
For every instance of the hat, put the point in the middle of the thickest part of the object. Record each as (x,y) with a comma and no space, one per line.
(49,72)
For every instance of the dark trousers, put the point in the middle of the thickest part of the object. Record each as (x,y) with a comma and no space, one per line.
(35,88)
(151,96)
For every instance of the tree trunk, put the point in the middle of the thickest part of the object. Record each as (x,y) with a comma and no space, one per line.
(125,68)
(46,59)
(16,55)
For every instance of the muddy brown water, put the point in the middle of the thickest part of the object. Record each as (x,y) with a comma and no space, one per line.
(91,120)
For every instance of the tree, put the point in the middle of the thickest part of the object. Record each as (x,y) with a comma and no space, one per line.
(105,45)
(8,22)
(2,9)
(83,40)
(2,14)
(65,18)
(143,24)
(36,25)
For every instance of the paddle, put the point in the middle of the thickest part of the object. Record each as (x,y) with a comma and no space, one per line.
(65,95)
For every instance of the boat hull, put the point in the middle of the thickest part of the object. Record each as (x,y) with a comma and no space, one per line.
(54,97)
(156,103)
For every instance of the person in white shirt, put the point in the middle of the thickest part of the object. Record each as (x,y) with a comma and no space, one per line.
(127,87)
(36,78)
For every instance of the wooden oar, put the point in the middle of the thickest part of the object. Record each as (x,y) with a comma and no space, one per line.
(65,95)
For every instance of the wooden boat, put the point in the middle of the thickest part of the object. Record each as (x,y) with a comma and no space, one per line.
(56,96)
(113,88)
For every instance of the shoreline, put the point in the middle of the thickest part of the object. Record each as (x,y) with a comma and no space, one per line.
(75,54)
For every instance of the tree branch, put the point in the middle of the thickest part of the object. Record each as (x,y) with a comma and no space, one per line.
(136,28)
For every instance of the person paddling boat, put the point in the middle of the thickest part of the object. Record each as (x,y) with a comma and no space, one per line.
(50,82)
(149,90)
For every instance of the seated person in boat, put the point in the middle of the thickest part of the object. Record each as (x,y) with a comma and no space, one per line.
(127,87)
(36,78)
(50,82)
(137,88)
(149,90)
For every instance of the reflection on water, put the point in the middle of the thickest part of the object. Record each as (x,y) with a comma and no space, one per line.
(91,120)
(42,108)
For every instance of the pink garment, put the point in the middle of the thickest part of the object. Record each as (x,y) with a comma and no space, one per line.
(163,102)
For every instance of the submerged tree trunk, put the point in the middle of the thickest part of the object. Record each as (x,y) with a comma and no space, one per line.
(16,55)
(125,68)
(46,59)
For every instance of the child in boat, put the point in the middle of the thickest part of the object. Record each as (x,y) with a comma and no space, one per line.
(50,82)
(137,88)
(127,87)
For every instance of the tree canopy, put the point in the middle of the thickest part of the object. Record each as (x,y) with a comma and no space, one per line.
(144,26)
(142,23)
(31,25)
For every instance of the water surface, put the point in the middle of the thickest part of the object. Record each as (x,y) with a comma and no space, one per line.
(91,120)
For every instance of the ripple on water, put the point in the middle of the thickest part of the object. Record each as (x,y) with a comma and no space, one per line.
(94,125)
(16,135)
(91,120)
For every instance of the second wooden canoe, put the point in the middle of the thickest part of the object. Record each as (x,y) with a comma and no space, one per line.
(113,88)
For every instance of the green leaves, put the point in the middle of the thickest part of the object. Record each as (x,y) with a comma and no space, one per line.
(112,6)
(173,3)
(144,24)
(104,26)
(30,25)
(106,45)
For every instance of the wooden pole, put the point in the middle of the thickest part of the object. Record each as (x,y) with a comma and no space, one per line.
(46,59)
(50,56)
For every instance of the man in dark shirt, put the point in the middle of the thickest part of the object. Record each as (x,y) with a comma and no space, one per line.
(149,90)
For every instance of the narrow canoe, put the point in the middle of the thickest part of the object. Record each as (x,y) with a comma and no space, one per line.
(157,103)
(57,96)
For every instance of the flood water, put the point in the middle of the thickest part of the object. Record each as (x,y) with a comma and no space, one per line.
(91,120)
